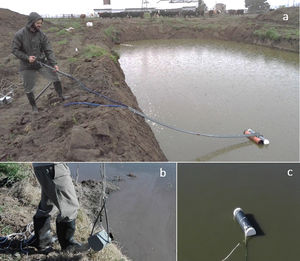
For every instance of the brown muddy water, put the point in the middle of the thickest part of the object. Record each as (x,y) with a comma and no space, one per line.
(142,214)
(216,87)
(207,196)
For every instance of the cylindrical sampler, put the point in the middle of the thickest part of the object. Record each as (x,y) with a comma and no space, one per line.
(246,226)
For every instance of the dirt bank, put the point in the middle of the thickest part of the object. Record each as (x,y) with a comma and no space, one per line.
(75,133)
(19,202)
(81,133)
(264,29)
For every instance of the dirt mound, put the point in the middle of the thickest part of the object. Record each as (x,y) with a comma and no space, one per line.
(276,16)
(11,20)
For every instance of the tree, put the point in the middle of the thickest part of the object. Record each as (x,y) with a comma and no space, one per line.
(201,5)
(257,5)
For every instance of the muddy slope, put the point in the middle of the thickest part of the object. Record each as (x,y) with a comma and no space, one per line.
(77,132)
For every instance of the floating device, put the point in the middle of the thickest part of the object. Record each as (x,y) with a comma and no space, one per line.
(261,140)
(241,218)
(99,240)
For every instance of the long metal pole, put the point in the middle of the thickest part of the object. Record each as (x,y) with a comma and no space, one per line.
(39,95)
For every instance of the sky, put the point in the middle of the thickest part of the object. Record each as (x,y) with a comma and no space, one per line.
(55,7)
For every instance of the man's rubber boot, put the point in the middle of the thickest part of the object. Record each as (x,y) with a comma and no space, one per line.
(65,232)
(31,100)
(42,234)
(58,89)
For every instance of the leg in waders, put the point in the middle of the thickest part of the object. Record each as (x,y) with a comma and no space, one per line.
(57,190)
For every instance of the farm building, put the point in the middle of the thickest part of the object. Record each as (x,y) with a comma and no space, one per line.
(120,5)
(220,7)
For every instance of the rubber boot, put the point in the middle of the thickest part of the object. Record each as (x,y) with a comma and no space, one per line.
(65,232)
(42,233)
(58,89)
(31,100)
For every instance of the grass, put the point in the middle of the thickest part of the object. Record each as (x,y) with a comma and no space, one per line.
(14,171)
(97,51)
(273,34)
(94,51)
(112,33)
(291,34)
(72,59)
(52,29)
(75,121)
(66,22)
(5,230)
(63,32)
(109,31)
(62,42)
(270,33)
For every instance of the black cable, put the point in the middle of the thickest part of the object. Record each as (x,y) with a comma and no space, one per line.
(103,206)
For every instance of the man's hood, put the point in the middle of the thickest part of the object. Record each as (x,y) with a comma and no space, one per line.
(32,18)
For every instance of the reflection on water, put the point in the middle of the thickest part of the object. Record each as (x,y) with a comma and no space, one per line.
(220,88)
(216,153)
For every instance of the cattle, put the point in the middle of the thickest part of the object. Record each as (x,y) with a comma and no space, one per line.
(104,15)
(154,14)
(136,14)
(188,13)
(231,12)
(119,15)
(82,16)
(240,12)
(169,13)
(212,12)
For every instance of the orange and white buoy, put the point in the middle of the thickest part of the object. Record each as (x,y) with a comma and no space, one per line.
(260,140)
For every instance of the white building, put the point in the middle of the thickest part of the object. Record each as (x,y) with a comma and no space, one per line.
(121,5)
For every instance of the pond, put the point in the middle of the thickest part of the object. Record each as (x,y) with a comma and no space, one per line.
(216,87)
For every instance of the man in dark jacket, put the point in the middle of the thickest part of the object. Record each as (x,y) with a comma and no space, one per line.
(30,45)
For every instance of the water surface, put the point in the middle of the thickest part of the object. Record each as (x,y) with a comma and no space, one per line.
(207,196)
(142,214)
(217,87)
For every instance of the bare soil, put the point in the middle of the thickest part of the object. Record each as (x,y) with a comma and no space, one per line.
(81,133)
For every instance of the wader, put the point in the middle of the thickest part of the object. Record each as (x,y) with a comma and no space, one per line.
(29,79)
(57,191)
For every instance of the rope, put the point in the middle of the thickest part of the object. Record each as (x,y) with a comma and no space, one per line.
(23,239)
(142,114)
(231,252)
